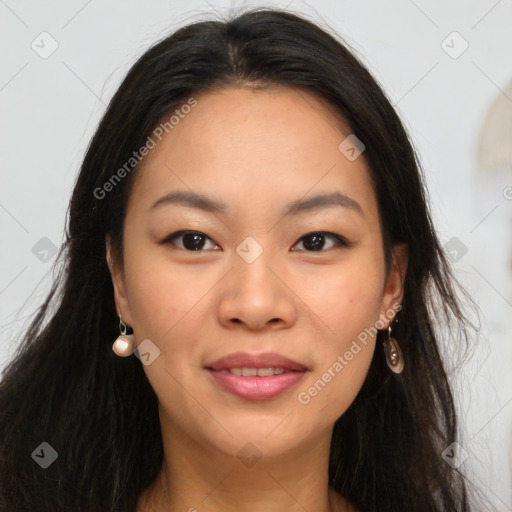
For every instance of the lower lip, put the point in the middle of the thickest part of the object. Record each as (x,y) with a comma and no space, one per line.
(257,388)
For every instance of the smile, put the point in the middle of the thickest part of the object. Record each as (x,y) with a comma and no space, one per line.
(256,383)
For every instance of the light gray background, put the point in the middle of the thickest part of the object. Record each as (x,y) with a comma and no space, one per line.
(51,107)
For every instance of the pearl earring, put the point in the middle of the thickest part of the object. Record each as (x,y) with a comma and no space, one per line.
(394,356)
(125,344)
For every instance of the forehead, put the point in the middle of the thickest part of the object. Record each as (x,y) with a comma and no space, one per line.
(254,147)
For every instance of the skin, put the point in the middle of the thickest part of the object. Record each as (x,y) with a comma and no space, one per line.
(255,151)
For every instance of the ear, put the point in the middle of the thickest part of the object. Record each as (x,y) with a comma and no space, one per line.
(120,297)
(394,288)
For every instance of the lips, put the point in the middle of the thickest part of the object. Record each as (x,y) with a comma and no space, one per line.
(264,360)
(276,374)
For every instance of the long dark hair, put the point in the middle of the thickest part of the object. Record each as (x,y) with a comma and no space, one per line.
(66,387)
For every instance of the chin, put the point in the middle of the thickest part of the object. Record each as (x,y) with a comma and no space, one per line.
(269,436)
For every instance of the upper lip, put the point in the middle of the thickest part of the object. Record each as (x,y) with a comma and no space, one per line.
(264,360)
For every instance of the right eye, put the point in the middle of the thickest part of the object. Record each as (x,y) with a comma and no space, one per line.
(191,240)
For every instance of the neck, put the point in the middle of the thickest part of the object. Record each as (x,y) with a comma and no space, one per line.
(201,478)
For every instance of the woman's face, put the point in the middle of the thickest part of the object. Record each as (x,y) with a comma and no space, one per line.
(255,284)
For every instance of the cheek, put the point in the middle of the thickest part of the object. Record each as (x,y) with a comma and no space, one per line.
(160,294)
(342,360)
(347,296)
(332,390)
(349,304)
(166,304)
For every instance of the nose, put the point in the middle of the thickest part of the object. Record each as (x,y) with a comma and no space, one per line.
(256,296)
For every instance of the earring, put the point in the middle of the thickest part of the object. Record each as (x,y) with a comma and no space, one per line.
(125,344)
(394,356)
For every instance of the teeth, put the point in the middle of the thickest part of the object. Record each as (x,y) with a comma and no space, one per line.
(265,372)
(252,372)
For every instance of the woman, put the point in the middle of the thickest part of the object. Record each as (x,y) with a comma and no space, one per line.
(252,209)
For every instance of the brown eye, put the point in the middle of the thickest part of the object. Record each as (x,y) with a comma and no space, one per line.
(315,242)
(312,242)
(191,240)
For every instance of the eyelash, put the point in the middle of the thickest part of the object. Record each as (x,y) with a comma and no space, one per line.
(341,242)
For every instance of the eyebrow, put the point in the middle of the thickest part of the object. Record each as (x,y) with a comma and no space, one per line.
(208,204)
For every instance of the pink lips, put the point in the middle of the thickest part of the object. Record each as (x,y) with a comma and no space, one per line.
(256,388)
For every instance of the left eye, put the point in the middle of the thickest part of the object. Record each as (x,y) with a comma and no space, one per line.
(195,240)
(317,240)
